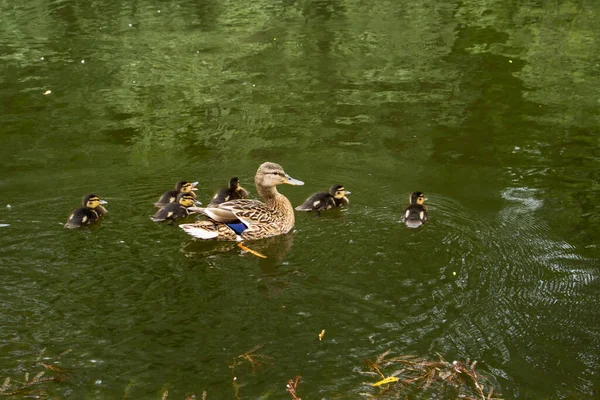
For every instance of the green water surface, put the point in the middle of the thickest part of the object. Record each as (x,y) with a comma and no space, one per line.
(490,108)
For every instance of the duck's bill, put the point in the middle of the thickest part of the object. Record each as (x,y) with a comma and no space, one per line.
(103,202)
(291,181)
(197,202)
(347,192)
(194,184)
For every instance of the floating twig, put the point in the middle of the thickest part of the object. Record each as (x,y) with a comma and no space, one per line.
(291,387)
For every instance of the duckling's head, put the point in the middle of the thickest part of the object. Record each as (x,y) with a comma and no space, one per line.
(92,201)
(270,174)
(234,183)
(186,199)
(417,198)
(185,186)
(338,191)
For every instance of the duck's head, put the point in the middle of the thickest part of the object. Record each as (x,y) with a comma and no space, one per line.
(185,186)
(92,201)
(270,174)
(338,191)
(234,183)
(417,198)
(187,199)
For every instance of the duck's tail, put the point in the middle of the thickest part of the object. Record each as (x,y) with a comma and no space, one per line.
(209,229)
(199,232)
(413,223)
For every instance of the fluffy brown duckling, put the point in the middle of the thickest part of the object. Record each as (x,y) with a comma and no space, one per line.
(91,212)
(170,196)
(415,214)
(179,209)
(235,191)
(326,201)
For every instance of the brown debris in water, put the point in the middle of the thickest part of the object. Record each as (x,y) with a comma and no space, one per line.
(189,396)
(30,387)
(291,387)
(251,357)
(410,372)
(255,360)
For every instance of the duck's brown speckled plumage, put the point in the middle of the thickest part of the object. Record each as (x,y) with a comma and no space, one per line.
(273,217)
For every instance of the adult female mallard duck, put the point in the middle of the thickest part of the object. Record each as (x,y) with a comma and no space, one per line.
(326,201)
(415,214)
(233,192)
(172,211)
(91,212)
(247,219)
(170,196)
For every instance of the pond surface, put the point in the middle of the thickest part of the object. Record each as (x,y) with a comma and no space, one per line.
(491,109)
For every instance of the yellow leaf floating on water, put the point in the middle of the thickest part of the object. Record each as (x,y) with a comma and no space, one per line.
(322,334)
(389,379)
(47,92)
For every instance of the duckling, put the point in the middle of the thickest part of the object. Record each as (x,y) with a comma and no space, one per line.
(170,196)
(415,214)
(235,191)
(326,201)
(91,211)
(172,211)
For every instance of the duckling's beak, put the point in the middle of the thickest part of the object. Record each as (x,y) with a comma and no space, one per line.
(103,202)
(194,184)
(197,202)
(347,192)
(291,181)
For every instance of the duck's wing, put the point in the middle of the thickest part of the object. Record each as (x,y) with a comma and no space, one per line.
(77,218)
(166,198)
(220,197)
(166,212)
(414,216)
(250,212)
(247,211)
(317,201)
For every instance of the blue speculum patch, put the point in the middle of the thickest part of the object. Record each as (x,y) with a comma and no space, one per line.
(237,227)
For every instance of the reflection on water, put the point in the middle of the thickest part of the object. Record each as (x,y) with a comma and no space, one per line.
(274,248)
(490,109)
